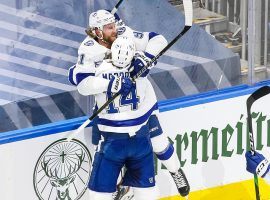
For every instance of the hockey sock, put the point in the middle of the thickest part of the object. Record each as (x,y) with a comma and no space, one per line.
(169,158)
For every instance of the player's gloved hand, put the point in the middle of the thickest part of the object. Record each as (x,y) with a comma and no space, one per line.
(257,163)
(120,84)
(141,59)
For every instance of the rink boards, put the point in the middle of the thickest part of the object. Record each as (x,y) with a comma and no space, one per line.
(209,133)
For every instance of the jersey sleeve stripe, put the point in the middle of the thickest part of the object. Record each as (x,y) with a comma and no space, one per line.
(81,76)
(129,122)
(152,34)
(70,75)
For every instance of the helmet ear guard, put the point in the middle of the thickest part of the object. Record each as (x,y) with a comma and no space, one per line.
(123,51)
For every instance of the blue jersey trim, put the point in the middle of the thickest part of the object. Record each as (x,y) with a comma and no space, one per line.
(129,122)
(166,154)
(152,34)
(167,105)
(110,84)
(81,76)
(149,55)
(70,75)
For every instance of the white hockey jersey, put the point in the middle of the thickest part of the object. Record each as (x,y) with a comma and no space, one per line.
(125,114)
(91,79)
(91,53)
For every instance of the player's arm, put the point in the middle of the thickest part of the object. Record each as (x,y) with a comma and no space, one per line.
(88,84)
(155,44)
(149,42)
(83,76)
(148,45)
(92,85)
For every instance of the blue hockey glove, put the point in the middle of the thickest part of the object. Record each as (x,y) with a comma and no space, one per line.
(141,59)
(120,84)
(257,163)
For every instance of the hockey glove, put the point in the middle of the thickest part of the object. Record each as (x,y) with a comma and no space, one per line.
(141,59)
(121,85)
(257,163)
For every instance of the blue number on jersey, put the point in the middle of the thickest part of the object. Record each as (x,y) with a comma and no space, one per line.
(131,99)
(138,34)
(121,30)
(111,108)
(81,59)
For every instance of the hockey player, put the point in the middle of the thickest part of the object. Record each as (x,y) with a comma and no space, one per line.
(258,164)
(123,127)
(95,48)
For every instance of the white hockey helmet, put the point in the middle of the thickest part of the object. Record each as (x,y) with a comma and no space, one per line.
(123,51)
(100,18)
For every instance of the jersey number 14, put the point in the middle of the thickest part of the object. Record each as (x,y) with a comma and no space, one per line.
(130,100)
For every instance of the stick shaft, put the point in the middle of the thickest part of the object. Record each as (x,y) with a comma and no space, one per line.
(261,92)
(114,10)
(188,23)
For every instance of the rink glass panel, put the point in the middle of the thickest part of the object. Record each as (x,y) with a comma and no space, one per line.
(39,42)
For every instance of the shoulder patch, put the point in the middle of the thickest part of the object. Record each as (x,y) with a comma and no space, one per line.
(121,30)
(138,34)
(89,43)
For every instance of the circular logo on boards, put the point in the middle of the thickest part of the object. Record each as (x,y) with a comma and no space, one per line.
(62,171)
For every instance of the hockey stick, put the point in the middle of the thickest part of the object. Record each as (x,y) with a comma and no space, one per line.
(265,90)
(188,23)
(114,10)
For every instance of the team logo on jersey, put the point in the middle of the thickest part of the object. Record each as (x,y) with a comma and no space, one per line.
(121,30)
(89,43)
(138,34)
(62,171)
(97,64)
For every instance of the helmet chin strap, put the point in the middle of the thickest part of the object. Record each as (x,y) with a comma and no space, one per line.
(101,37)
